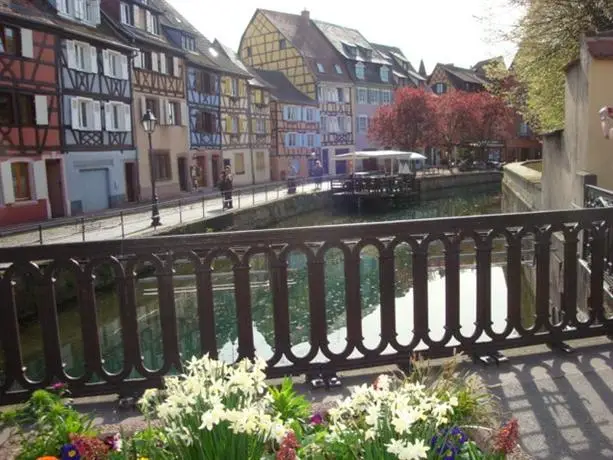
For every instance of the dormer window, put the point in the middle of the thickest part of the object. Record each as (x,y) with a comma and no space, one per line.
(359,71)
(152,23)
(282,44)
(320,68)
(338,69)
(126,13)
(188,43)
(350,50)
(87,11)
(385,74)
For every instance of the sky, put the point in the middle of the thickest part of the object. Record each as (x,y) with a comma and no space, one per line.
(460,32)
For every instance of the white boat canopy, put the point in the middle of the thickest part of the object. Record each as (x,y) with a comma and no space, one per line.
(383,154)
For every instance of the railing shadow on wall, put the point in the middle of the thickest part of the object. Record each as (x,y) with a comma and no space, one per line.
(490,238)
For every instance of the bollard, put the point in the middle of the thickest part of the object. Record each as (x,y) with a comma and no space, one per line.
(265,193)
(180,213)
(40,234)
(203,208)
(123,230)
(239,199)
(83,227)
(252,197)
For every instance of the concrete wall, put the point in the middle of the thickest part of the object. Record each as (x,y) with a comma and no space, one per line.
(459,180)
(521,189)
(112,161)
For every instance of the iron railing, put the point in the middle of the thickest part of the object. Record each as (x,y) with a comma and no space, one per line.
(597,197)
(444,238)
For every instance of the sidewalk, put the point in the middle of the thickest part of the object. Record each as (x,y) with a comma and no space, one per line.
(563,403)
(127,223)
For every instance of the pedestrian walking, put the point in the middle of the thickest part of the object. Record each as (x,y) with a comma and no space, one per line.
(225,185)
(318,172)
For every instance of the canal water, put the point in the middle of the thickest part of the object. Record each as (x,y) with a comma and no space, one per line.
(466,202)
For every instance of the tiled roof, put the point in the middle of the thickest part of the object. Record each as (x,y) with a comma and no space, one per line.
(459,75)
(46,16)
(479,67)
(235,60)
(600,47)
(282,89)
(341,37)
(313,46)
(402,66)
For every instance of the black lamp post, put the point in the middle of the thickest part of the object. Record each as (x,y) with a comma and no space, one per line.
(149,123)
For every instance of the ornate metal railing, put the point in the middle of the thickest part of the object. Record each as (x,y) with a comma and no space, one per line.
(597,197)
(448,238)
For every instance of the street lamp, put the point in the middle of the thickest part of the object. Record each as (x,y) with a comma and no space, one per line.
(149,123)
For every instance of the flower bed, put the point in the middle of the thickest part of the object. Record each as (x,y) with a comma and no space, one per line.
(220,411)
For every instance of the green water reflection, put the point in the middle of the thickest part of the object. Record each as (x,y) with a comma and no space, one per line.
(147,300)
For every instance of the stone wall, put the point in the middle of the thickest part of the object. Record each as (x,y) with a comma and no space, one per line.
(430,183)
(521,188)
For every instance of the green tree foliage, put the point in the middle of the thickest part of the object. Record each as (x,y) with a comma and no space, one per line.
(548,38)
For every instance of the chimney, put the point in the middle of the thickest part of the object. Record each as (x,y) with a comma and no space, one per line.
(306,16)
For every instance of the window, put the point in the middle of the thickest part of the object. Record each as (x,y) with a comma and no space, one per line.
(239,163)
(21,181)
(320,68)
(81,10)
(320,94)
(257,96)
(386,96)
(338,69)
(153,105)
(310,114)
(235,129)
(147,60)
(524,130)
(82,56)
(173,113)
(206,122)
(292,140)
(115,65)
(310,140)
(362,96)
(126,13)
(362,124)
(323,124)
(27,114)
(188,43)
(440,88)
(340,97)
(152,23)
(117,116)
(6,109)
(161,166)
(9,40)
(282,44)
(260,126)
(292,113)
(204,82)
(384,73)
(260,161)
(234,87)
(373,96)
(359,71)
(85,114)
(248,51)
(341,124)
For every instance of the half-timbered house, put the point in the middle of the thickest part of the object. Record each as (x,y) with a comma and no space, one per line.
(293,45)
(31,178)
(158,82)
(235,143)
(295,127)
(403,72)
(95,100)
(258,112)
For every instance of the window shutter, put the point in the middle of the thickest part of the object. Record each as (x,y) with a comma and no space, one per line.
(6,177)
(285,112)
(125,75)
(254,125)
(71,54)
(348,124)
(97,116)
(286,140)
(138,59)
(137,17)
(317,115)
(242,88)
(148,21)
(108,116)
(176,72)
(347,92)
(163,67)
(42,110)
(127,117)
(155,62)
(122,14)
(164,115)
(106,66)
(27,45)
(317,140)
(94,7)
(40,180)
(74,113)
(244,125)
(184,114)
(79,9)
(93,63)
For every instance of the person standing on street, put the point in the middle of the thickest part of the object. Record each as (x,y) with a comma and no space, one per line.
(318,172)
(225,185)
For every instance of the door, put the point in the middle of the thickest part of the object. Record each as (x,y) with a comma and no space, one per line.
(202,170)
(341,167)
(215,169)
(325,161)
(55,187)
(94,189)
(183,174)
(130,172)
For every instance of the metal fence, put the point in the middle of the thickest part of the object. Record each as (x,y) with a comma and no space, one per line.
(443,238)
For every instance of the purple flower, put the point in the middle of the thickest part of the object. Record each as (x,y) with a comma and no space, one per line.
(69,452)
(58,386)
(317,419)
